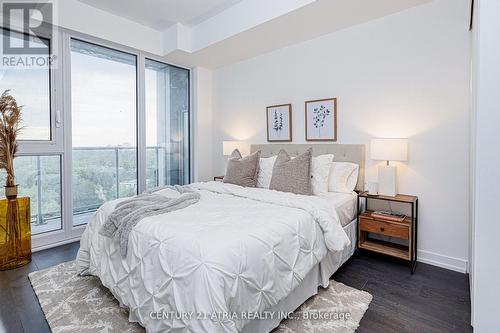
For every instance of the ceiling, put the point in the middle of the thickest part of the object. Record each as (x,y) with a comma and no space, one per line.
(322,17)
(161,14)
(216,33)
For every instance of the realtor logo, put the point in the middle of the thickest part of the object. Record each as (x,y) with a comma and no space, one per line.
(36,19)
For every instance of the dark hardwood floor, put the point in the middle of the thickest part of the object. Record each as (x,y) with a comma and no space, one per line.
(431,300)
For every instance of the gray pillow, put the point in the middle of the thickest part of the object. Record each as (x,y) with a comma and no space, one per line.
(242,170)
(292,175)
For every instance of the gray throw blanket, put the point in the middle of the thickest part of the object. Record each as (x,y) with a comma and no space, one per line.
(129,212)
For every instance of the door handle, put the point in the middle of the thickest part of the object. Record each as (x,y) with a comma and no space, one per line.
(58,118)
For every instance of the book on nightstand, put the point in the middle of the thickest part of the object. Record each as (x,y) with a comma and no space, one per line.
(389,216)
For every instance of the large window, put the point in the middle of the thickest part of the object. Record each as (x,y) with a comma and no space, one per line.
(167,124)
(31,87)
(104,135)
(100,122)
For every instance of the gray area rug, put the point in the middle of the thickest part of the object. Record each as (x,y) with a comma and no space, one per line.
(72,303)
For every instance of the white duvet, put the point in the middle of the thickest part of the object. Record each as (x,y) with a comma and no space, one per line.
(211,266)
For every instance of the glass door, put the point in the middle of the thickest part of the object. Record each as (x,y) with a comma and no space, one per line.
(167,124)
(104,127)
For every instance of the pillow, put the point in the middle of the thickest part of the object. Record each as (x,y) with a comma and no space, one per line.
(292,175)
(265,171)
(242,170)
(320,172)
(343,177)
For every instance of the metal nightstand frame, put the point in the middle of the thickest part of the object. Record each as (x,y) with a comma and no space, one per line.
(408,199)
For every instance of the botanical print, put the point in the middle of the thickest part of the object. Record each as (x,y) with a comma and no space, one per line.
(321,120)
(320,115)
(279,123)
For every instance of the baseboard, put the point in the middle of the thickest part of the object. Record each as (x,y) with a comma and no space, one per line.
(435,259)
(48,246)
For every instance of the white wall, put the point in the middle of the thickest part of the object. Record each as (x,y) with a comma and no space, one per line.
(405,75)
(486,268)
(202,124)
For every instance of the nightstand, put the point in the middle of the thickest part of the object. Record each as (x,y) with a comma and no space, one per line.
(405,231)
(218,178)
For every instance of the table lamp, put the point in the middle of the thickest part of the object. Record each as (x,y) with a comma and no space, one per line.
(229,146)
(388,150)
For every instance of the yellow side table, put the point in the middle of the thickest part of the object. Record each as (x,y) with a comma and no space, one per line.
(15,236)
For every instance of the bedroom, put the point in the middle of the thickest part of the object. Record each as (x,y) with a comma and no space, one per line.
(394,98)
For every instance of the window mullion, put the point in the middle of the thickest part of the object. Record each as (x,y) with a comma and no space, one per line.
(141,124)
(68,154)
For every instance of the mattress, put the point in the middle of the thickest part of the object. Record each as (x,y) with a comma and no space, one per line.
(344,203)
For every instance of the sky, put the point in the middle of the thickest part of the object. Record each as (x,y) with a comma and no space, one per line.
(29,87)
(103,100)
(103,108)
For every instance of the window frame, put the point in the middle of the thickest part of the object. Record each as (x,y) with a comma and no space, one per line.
(55,144)
(60,142)
(63,144)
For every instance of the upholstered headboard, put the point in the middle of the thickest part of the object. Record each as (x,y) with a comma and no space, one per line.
(342,152)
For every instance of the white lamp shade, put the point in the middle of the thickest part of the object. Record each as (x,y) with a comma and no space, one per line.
(229,146)
(389,149)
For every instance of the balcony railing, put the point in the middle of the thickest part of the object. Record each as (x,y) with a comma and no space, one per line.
(99,174)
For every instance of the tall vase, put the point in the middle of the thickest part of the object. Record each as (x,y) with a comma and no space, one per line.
(15,230)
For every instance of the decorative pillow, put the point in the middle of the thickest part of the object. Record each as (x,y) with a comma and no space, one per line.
(320,173)
(292,175)
(242,170)
(343,177)
(265,171)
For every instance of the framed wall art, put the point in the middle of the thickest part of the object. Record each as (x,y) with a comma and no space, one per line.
(279,123)
(321,120)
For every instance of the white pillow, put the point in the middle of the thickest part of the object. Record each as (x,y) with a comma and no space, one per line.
(265,171)
(343,177)
(320,171)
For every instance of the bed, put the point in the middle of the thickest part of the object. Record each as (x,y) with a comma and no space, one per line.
(238,252)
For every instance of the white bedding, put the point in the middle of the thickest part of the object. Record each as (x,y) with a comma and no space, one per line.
(344,203)
(238,250)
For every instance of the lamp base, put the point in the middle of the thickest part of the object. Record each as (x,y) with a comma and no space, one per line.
(387,180)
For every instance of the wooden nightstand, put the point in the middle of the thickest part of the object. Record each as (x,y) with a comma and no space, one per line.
(405,230)
(218,178)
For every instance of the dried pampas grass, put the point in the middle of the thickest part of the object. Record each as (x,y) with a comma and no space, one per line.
(10,118)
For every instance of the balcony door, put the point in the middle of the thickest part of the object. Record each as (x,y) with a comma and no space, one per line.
(104,127)
(167,124)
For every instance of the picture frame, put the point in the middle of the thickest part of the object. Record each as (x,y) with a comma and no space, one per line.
(321,119)
(279,123)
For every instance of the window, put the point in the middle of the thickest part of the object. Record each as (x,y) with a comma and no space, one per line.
(39,177)
(31,88)
(167,124)
(91,154)
(104,134)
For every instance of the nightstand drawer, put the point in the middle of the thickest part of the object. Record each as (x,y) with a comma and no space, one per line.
(384,228)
